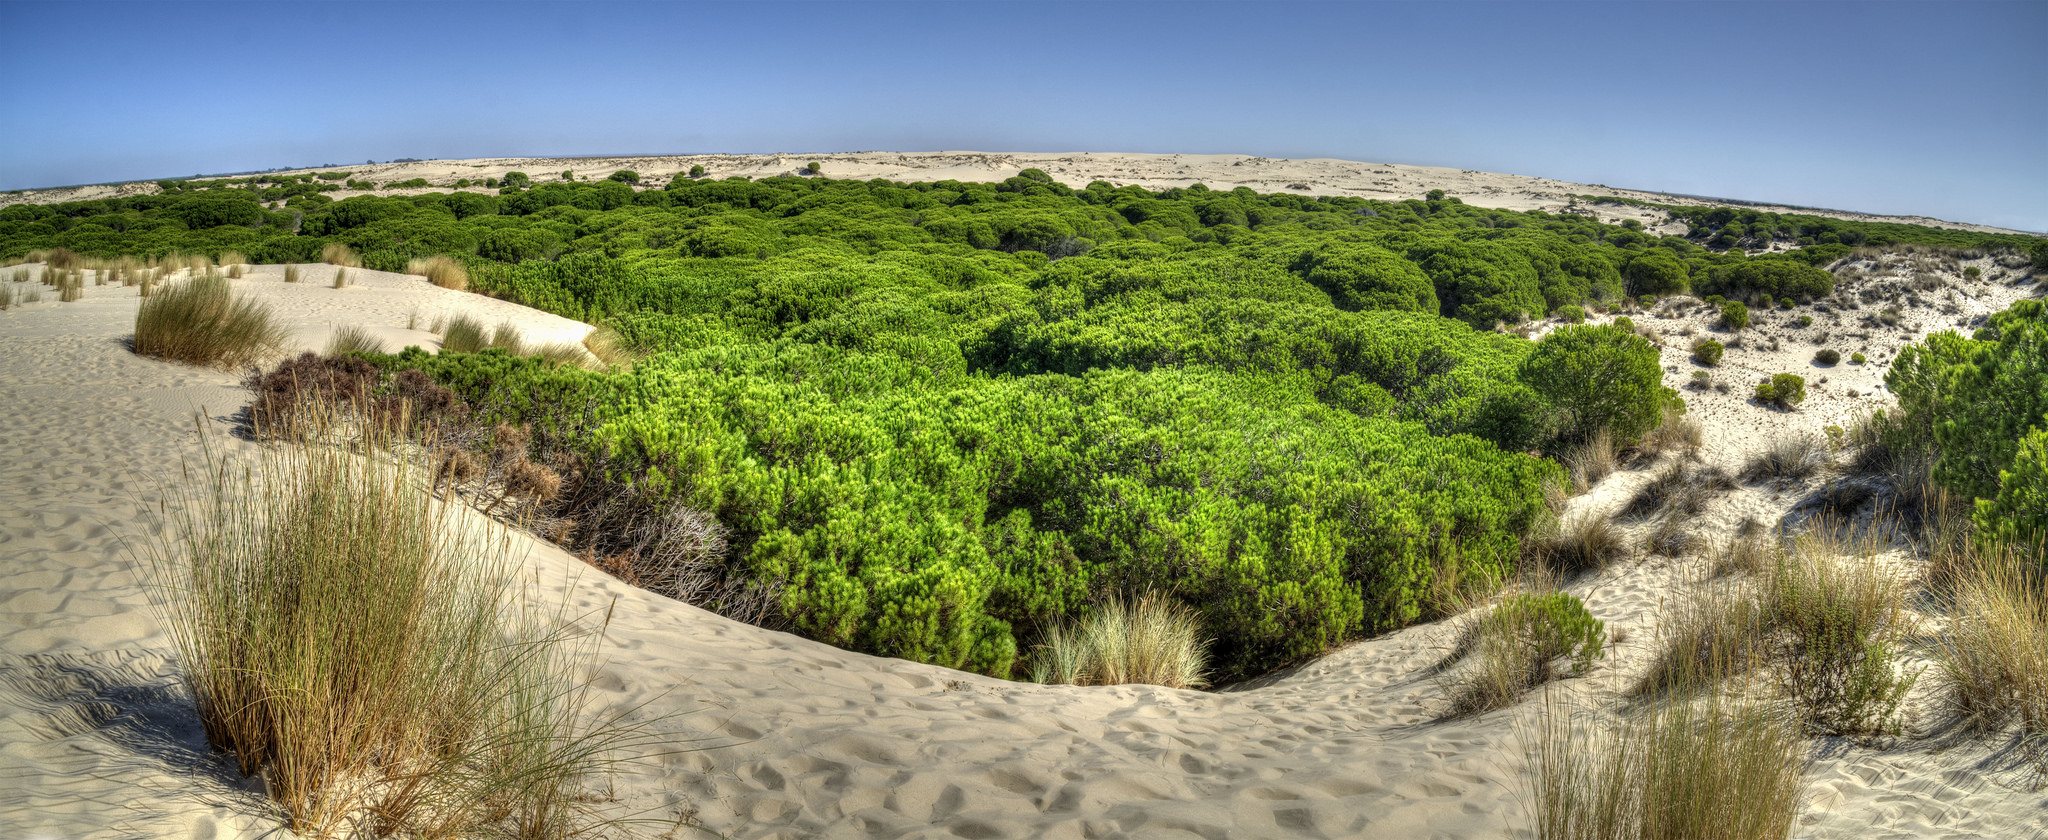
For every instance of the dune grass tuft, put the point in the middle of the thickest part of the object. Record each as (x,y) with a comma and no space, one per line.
(442,271)
(1992,660)
(335,253)
(347,639)
(1582,544)
(506,337)
(1679,489)
(1591,461)
(1682,768)
(353,339)
(291,274)
(463,334)
(1704,638)
(1797,456)
(201,322)
(341,278)
(608,347)
(1516,646)
(1154,641)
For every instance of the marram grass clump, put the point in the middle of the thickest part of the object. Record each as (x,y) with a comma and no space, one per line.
(347,636)
(1153,641)
(441,271)
(201,322)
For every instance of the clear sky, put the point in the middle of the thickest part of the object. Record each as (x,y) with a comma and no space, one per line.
(1936,109)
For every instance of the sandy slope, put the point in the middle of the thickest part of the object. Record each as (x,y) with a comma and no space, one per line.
(1317,176)
(769,735)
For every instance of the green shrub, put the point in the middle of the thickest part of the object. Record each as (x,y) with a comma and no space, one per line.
(1857,359)
(1785,390)
(697,170)
(1569,314)
(1600,377)
(1708,352)
(1734,316)
(1827,356)
(625,176)
(2018,515)
(1805,321)
(814,167)
(1991,400)
(1973,272)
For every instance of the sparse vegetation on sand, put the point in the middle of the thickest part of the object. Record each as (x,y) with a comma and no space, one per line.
(1517,646)
(370,656)
(200,321)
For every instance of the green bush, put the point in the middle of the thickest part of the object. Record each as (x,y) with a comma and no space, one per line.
(1598,377)
(1734,316)
(697,170)
(1995,398)
(1708,352)
(1569,314)
(1785,390)
(625,176)
(1857,358)
(1827,356)
(2018,515)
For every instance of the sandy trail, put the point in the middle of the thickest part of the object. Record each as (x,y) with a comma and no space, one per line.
(767,735)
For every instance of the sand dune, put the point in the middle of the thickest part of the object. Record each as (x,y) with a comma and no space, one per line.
(767,735)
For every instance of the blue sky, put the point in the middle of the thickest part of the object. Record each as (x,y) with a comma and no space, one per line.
(1937,109)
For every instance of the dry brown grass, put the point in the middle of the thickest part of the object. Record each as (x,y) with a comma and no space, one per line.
(341,278)
(442,271)
(347,638)
(291,274)
(201,322)
(1683,768)
(335,253)
(1992,659)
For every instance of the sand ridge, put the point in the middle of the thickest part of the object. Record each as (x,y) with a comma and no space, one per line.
(768,735)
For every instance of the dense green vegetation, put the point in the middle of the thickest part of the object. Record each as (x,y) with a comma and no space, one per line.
(1984,402)
(1821,240)
(933,420)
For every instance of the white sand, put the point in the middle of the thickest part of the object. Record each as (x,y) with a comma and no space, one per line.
(770,735)
(1317,176)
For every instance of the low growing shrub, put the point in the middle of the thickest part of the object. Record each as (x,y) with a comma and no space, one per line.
(1827,357)
(1842,618)
(1516,647)
(1734,316)
(1784,390)
(1708,352)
